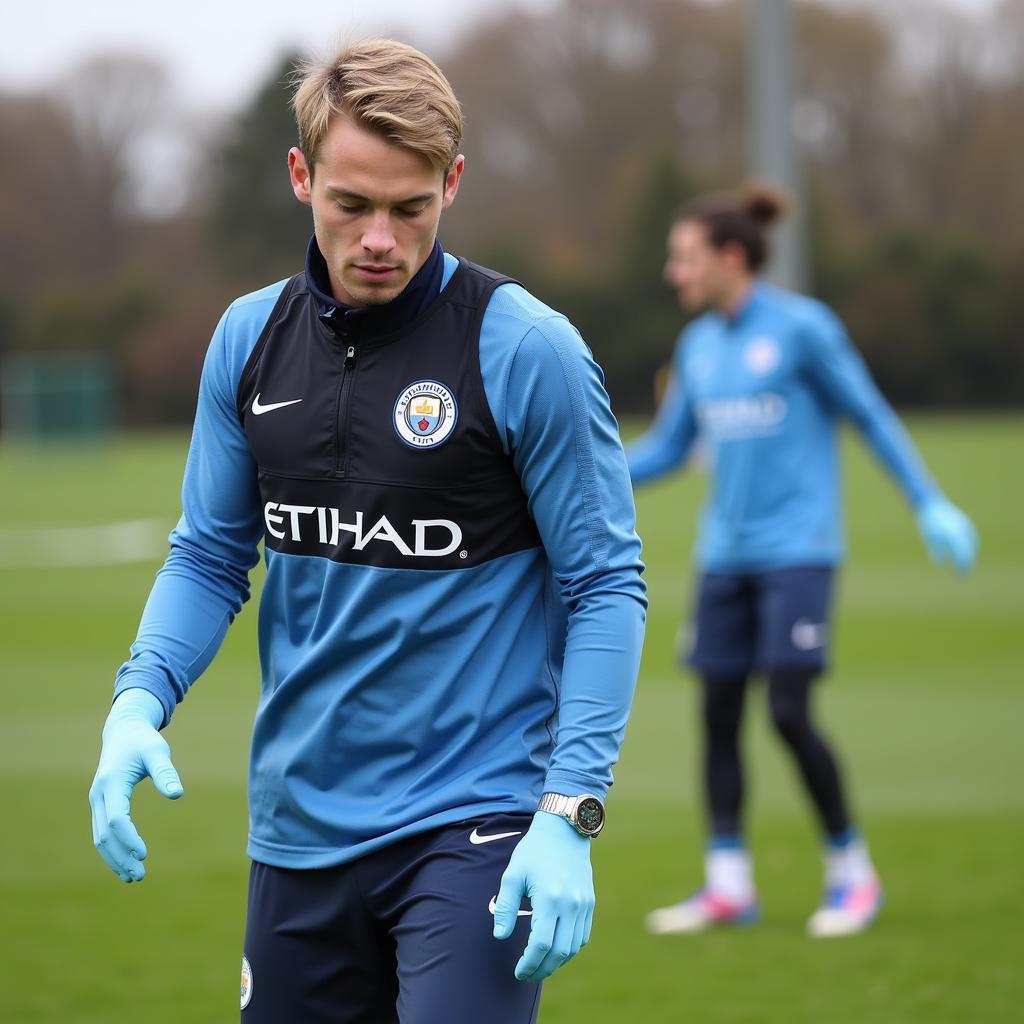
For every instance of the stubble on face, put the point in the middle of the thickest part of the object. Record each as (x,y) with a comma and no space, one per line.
(370,293)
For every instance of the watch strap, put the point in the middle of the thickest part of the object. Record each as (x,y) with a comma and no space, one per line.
(568,807)
(557,803)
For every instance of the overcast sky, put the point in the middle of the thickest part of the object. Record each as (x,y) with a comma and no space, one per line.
(217,50)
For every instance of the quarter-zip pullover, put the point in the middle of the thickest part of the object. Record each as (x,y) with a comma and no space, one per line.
(453,610)
(764,390)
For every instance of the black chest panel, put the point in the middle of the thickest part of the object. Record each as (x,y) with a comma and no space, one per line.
(382,450)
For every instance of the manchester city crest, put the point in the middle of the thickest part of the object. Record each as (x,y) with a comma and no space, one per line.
(425,414)
(246,982)
(762,355)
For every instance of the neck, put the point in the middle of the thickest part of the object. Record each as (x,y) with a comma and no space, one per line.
(736,295)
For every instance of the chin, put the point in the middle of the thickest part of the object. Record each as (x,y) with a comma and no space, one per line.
(375,296)
(371,298)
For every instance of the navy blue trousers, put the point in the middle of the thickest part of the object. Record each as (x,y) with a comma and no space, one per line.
(400,935)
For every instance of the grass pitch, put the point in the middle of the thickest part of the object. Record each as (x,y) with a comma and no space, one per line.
(925,705)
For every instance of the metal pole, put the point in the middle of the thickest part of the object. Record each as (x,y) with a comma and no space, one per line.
(774,152)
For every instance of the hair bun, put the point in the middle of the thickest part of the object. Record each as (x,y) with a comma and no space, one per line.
(764,204)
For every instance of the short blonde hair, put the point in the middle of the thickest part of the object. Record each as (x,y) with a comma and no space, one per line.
(387,87)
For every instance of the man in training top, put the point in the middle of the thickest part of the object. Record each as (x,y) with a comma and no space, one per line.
(453,610)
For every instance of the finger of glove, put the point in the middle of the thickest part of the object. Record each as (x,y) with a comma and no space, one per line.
(163,773)
(507,903)
(542,937)
(588,924)
(938,549)
(562,950)
(113,865)
(963,559)
(956,547)
(579,935)
(96,807)
(116,800)
(966,548)
(126,866)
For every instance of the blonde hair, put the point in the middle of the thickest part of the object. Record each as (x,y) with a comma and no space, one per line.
(385,86)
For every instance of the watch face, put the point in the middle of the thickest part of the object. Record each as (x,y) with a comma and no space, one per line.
(590,815)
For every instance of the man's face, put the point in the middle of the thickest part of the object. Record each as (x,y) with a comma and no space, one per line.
(376,208)
(700,274)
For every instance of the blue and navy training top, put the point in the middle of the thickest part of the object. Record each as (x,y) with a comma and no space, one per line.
(764,390)
(453,610)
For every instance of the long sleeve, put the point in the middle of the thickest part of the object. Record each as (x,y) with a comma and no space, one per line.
(555,417)
(203,583)
(835,366)
(670,437)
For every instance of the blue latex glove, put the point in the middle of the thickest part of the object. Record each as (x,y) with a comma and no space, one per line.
(551,866)
(132,749)
(948,534)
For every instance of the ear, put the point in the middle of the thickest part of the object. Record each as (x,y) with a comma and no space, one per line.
(301,175)
(451,181)
(735,255)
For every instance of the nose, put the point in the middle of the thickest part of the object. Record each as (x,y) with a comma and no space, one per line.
(378,238)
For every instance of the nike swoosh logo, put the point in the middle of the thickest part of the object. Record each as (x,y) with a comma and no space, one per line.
(476,839)
(808,636)
(492,906)
(259,410)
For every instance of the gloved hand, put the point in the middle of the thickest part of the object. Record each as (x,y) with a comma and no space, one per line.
(948,534)
(132,749)
(551,866)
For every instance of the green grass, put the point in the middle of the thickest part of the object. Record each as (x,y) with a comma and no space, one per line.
(925,704)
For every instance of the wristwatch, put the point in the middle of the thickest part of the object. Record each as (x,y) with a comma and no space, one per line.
(585,812)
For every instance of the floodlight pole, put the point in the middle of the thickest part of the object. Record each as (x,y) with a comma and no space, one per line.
(774,150)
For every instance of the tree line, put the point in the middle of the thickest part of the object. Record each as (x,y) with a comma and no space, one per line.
(586,126)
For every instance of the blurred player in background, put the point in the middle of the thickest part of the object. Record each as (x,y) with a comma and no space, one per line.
(763,378)
(453,611)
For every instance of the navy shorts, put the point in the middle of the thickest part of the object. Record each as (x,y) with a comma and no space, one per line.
(762,621)
(400,935)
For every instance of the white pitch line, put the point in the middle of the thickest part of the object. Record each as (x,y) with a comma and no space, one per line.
(136,540)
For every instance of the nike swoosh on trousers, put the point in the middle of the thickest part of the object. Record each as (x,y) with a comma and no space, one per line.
(476,839)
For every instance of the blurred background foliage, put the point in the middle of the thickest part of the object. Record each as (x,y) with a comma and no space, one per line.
(585,127)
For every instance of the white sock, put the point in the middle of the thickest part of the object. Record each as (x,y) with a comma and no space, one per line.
(848,865)
(729,873)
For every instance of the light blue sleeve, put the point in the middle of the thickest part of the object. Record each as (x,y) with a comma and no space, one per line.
(670,437)
(837,369)
(555,419)
(204,581)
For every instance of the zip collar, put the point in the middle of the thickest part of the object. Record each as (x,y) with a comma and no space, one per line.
(386,318)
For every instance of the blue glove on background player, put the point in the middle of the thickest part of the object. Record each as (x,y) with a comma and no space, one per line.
(948,534)
(551,866)
(132,749)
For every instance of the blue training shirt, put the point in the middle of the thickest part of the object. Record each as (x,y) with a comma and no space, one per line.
(395,700)
(764,391)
